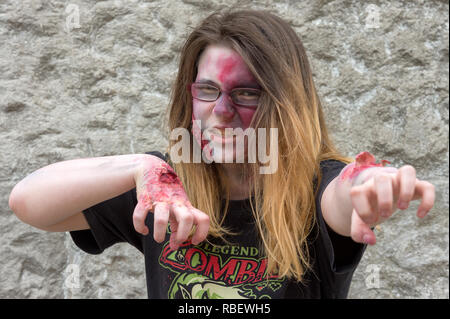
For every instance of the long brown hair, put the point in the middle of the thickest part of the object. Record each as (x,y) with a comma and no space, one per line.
(284,202)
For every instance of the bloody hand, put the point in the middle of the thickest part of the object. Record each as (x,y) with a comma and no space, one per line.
(379,191)
(160,190)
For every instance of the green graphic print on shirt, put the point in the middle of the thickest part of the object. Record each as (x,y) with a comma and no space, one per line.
(214,272)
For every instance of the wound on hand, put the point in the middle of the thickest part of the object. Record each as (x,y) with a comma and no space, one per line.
(362,161)
(162,185)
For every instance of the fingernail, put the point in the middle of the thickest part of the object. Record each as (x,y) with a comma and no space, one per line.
(366,238)
(422,213)
(385,214)
(402,205)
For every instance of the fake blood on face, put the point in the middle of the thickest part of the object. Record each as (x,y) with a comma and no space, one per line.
(197,133)
(232,70)
(226,68)
(201,141)
(363,161)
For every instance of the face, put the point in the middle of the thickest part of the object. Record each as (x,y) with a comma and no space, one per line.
(225,69)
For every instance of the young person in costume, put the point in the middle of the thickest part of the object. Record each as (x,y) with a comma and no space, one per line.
(222,227)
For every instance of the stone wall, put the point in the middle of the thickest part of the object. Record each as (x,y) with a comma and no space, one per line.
(99,85)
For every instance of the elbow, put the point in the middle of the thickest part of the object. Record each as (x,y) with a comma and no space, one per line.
(17,203)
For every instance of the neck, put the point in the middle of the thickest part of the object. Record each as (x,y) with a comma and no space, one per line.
(238,182)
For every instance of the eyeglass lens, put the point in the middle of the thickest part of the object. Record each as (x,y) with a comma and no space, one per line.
(241,96)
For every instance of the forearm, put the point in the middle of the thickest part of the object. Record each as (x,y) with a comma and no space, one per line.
(56,192)
(337,218)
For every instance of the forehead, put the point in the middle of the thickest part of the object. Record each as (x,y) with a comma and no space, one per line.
(222,64)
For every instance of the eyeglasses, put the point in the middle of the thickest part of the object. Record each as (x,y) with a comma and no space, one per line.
(239,96)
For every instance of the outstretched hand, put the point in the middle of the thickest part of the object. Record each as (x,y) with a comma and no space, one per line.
(383,191)
(160,190)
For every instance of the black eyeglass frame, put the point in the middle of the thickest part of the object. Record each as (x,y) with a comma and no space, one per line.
(220,91)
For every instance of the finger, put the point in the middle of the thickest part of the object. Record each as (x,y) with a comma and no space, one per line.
(161,219)
(173,230)
(360,231)
(201,220)
(426,191)
(361,196)
(139,215)
(406,179)
(384,192)
(185,220)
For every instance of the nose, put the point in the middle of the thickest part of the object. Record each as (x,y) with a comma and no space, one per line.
(224,107)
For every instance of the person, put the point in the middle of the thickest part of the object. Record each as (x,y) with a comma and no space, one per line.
(218,227)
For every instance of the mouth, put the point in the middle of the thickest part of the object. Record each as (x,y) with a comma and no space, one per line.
(221,134)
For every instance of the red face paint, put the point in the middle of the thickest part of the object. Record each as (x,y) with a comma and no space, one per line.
(232,71)
(201,140)
(246,115)
(227,70)
(363,161)
(197,133)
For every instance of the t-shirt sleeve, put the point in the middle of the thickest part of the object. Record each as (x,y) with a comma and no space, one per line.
(338,252)
(110,222)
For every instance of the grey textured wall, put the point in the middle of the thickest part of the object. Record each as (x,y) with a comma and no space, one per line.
(100,87)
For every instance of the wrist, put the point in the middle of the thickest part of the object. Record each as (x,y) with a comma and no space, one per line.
(143,163)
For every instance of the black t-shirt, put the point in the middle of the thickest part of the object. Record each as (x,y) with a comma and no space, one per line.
(214,269)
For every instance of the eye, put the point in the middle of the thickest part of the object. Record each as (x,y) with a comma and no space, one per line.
(247,97)
(206,89)
(205,92)
(248,94)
